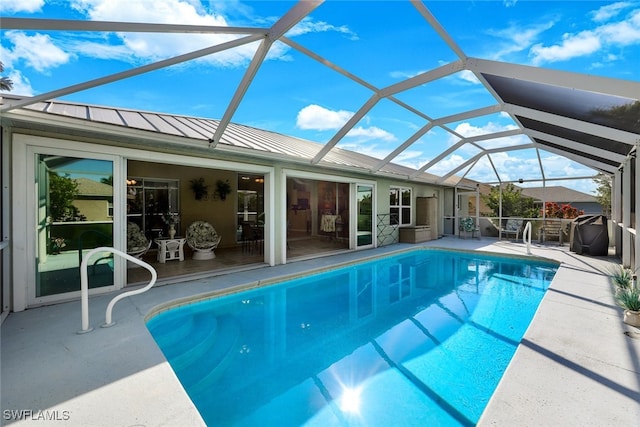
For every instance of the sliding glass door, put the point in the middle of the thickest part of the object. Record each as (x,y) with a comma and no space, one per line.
(74,214)
(364,201)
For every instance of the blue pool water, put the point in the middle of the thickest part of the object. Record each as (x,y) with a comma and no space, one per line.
(418,338)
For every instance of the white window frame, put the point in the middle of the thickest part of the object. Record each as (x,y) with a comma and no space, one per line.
(400,207)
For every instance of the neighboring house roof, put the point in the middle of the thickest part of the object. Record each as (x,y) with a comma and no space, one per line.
(89,187)
(558,194)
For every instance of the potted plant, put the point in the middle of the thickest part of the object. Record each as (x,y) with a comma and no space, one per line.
(629,299)
(621,278)
(199,187)
(627,295)
(223,188)
(171,219)
(57,243)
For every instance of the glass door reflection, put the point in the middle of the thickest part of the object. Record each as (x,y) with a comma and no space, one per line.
(365,215)
(74,215)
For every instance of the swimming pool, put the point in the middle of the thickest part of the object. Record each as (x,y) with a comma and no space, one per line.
(417,338)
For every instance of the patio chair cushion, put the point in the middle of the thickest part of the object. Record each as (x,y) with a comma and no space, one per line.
(136,240)
(202,236)
(512,227)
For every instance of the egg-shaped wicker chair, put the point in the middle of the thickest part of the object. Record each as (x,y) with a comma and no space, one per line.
(203,239)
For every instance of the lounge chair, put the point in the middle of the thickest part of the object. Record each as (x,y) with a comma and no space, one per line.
(468,225)
(513,227)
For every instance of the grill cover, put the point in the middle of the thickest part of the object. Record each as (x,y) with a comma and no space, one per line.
(589,235)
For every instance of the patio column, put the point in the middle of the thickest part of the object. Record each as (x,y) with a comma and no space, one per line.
(616,212)
(636,258)
(626,213)
(500,213)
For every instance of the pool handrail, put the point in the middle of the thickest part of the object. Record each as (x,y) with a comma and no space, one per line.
(84,286)
(526,237)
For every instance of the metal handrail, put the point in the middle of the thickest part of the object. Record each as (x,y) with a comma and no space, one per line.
(84,286)
(526,237)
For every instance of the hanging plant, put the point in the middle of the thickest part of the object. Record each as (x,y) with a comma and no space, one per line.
(199,187)
(223,188)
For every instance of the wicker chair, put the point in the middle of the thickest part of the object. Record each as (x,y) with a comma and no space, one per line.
(137,242)
(203,239)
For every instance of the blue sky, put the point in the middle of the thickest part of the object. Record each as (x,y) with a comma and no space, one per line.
(381,42)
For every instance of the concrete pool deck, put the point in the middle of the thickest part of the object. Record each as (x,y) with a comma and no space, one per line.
(578,364)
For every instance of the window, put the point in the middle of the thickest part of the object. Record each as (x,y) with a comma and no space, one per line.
(400,205)
(250,204)
(148,199)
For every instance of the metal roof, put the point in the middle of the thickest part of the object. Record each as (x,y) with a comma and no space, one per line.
(588,119)
(199,131)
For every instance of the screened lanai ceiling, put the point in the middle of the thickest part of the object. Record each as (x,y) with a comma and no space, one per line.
(544,113)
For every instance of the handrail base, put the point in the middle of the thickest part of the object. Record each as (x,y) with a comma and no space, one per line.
(84,286)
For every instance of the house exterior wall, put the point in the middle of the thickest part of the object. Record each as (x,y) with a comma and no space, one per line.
(588,208)
(93,209)
(144,161)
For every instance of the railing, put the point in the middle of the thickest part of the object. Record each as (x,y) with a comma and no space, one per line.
(84,286)
(526,237)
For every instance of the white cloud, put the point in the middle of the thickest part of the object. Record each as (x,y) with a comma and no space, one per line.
(510,165)
(572,45)
(609,11)
(151,46)
(100,50)
(463,77)
(367,148)
(370,133)
(38,51)
(369,140)
(445,166)
(517,38)
(13,6)
(21,85)
(155,46)
(158,11)
(359,138)
(587,42)
(410,158)
(315,117)
(307,25)
(622,33)
(467,130)
(467,76)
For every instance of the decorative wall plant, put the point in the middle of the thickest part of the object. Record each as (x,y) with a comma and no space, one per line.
(200,189)
(223,188)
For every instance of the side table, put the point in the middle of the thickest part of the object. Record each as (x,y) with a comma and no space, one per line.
(170,248)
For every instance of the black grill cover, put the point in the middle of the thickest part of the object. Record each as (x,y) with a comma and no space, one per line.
(589,235)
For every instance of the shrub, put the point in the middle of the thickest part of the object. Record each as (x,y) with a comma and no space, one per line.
(554,210)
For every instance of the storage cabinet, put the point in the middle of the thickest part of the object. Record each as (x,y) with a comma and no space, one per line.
(427,214)
(417,234)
